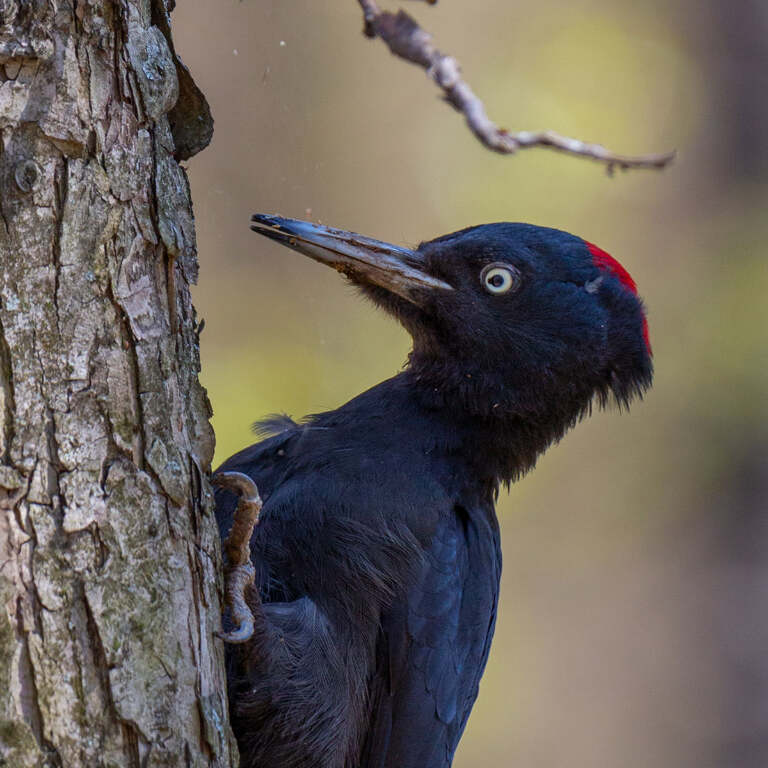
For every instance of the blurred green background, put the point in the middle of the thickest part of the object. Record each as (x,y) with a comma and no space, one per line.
(633,626)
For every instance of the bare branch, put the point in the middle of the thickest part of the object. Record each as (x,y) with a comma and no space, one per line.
(409,41)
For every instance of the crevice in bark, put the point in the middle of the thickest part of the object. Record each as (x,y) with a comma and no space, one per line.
(58,502)
(134,375)
(170,282)
(2,208)
(29,694)
(101,549)
(131,738)
(9,398)
(61,186)
(102,667)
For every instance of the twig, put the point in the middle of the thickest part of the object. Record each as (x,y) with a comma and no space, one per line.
(240,573)
(409,41)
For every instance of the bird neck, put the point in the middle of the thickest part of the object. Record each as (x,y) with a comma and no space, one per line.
(503,422)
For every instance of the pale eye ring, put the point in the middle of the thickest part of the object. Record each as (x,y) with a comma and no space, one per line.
(499,278)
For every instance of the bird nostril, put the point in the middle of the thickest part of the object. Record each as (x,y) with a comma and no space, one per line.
(592,286)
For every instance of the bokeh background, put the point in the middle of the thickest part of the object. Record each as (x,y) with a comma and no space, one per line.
(633,626)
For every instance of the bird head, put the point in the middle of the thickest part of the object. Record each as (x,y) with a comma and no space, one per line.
(507,320)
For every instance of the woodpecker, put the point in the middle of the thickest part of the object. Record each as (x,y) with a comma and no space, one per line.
(377,557)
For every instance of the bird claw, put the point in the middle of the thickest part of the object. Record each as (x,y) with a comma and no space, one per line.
(242,485)
(238,579)
(239,572)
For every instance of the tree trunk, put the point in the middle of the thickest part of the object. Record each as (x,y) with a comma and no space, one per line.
(109,556)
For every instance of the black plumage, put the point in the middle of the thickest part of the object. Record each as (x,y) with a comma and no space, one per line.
(378,556)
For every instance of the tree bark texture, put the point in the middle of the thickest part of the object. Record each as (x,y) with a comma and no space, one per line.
(109,556)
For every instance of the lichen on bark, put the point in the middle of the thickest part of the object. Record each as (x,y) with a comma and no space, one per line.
(109,557)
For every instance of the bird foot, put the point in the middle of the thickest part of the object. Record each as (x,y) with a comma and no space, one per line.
(239,573)
(237,580)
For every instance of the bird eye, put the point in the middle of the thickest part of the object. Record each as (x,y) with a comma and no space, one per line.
(499,278)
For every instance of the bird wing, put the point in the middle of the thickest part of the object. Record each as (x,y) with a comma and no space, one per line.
(433,647)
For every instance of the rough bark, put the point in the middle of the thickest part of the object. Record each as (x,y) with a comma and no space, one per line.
(109,577)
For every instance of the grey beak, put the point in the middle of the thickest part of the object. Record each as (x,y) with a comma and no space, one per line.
(396,269)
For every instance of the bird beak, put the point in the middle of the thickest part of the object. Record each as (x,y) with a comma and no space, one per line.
(397,269)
